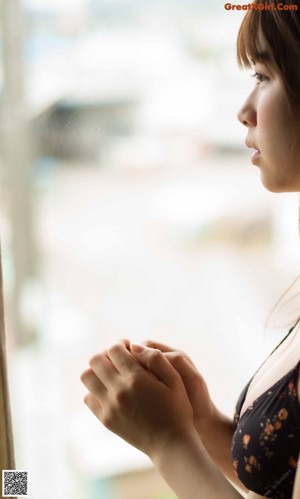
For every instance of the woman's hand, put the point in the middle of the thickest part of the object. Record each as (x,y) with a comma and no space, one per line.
(204,409)
(148,409)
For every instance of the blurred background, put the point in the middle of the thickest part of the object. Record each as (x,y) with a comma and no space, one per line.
(129,208)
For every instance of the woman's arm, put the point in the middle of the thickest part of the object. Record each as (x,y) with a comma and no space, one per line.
(152,412)
(217,439)
(188,469)
(214,428)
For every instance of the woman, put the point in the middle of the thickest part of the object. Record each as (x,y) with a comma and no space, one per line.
(153,396)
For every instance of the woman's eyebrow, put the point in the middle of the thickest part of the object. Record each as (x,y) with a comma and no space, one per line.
(263,56)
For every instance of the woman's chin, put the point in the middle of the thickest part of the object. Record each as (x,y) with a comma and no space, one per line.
(271,185)
(277,187)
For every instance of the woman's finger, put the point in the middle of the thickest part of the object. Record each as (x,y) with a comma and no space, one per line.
(104,369)
(160,346)
(156,362)
(93,404)
(165,349)
(184,367)
(126,343)
(122,359)
(93,383)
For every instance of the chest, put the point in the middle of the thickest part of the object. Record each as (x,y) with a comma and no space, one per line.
(276,366)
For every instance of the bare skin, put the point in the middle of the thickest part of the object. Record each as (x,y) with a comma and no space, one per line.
(214,428)
(159,402)
(217,426)
(269,132)
(154,397)
(142,398)
(275,367)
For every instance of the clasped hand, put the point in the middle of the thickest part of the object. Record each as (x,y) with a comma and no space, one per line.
(149,397)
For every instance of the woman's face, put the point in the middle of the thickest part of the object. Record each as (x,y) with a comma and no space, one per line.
(271,132)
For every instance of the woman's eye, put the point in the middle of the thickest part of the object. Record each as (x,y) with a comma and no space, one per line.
(259,77)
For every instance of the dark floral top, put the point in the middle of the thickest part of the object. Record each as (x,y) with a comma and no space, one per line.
(266,443)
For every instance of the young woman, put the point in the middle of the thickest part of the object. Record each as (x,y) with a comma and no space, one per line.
(154,397)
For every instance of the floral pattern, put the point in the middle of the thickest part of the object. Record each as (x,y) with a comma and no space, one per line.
(266,441)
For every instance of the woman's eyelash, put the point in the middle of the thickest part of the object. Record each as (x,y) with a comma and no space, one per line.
(260,77)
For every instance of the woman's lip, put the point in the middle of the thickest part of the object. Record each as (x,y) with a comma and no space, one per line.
(255,156)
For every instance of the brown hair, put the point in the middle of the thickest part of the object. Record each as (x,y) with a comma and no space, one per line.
(273,37)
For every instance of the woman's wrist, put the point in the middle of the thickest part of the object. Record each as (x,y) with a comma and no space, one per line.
(184,463)
(172,442)
(206,425)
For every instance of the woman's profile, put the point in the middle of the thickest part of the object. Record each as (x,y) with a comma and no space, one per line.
(152,395)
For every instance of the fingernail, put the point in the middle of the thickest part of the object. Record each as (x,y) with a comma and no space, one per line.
(137,348)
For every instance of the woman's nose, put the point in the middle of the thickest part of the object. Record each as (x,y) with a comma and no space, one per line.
(247,114)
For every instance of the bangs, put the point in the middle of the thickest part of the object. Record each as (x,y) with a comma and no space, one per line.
(250,45)
(272,37)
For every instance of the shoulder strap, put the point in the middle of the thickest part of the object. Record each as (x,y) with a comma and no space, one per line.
(290,331)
